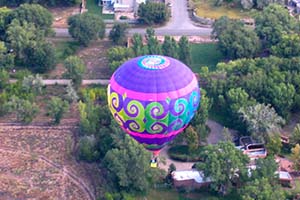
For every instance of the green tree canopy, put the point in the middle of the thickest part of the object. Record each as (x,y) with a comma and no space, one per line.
(129,166)
(56,108)
(86,27)
(35,14)
(288,46)
(170,47)
(184,50)
(273,22)
(75,69)
(234,39)
(261,120)
(224,164)
(153,12)
(42,2)
(261,189)
(118,33)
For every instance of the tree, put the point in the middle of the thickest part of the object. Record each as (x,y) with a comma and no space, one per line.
(21,36)
(4,13)
(86,27)
(223,164)
(296,157)
(274,144)
(56,108)
(129,157)
(261,120)
(87,149)
(152,43)
(71,94)
(15,3)
(272,22)
(261,189)
(170,47)
(118,33)
(288,46)
(266,168)
(24,109)
(117,56)
(35,14)
(75,69)
(137,45)
(282,97)
(6,57)
(295,137)
(191,139)
(40,58)
(184,52)
(4,78)
(33,84)
(153,13)
(238,98)
(234,39)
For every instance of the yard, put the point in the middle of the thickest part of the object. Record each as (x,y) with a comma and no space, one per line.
(205,54)
(206,8)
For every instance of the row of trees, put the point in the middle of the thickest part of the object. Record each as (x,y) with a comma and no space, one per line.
(170,47)
(275,32)
(42,2)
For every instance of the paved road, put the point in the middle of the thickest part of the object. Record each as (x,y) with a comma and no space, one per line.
(179,24)
(67,81)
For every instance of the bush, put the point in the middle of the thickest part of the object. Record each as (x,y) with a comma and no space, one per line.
(181,153)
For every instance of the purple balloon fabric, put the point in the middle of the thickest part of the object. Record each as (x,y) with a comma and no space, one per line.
(153,98)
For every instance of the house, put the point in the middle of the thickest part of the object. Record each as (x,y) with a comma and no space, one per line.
(122,5)
(190,178)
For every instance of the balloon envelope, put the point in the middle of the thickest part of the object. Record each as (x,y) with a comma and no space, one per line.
(153,98)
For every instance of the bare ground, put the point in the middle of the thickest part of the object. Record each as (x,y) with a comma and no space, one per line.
(36,163)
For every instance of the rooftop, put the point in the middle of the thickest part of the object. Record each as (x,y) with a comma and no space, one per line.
(190,175)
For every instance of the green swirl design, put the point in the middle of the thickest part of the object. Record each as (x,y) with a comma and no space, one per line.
(136,125)
(113,101)
(135,110)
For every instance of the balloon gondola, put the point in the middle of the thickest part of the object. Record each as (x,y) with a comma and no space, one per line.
(153,98)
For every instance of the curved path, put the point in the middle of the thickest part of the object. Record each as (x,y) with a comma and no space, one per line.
(214,137)
(78,181)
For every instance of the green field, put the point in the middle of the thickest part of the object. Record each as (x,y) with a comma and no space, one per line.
(206,8)
(205,55)
(92,6)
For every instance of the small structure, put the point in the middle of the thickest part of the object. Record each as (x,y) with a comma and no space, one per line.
(252,149)
(256,150)
(122,5)
(285,178)
(190,178)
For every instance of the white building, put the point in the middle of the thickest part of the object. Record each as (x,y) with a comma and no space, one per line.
(122,5)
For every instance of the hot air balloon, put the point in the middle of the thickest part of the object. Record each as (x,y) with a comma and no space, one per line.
(153,98)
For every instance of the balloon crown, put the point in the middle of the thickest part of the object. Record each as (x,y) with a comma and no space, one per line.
(153,62)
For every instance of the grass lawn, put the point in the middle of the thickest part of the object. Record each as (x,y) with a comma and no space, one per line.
(65,49)
(205,55)
(206,8)
(92,6)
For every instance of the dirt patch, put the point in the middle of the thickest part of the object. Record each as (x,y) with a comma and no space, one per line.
(61,15)
(96,60)
(37,163)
